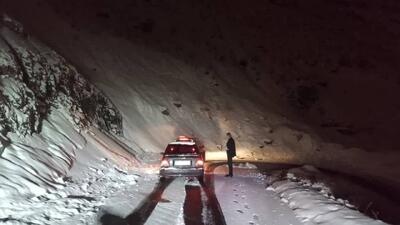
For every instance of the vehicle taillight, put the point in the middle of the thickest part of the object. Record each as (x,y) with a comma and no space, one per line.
(164,163)
(199,162)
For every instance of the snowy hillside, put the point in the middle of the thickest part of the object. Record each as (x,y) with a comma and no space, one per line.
(295,82)
(196,68)
(45,103)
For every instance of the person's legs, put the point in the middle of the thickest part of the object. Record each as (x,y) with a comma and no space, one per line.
(230,166)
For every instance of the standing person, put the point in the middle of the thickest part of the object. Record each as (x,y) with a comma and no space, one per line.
(230,153)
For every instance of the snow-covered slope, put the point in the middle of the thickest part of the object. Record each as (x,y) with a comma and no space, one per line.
(45,103)
(304,83)
(167,70)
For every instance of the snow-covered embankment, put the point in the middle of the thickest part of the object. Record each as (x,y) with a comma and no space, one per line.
(45,104)
(313,201)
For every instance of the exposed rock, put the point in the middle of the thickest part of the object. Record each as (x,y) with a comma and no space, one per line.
(165,112)
(34,79)
(178,104)
(268,141)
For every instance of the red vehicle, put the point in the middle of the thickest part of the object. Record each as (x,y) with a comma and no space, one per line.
(182,158)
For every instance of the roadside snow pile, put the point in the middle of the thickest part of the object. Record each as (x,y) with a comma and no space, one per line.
(44,105)
(313,202)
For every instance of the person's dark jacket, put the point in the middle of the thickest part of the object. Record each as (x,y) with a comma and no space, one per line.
(231,147)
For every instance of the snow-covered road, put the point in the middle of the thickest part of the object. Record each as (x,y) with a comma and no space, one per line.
(99,191)
(244,200)
(240,200)
(104,194)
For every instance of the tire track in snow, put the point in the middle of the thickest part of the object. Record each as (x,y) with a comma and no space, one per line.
(140,215)
(144,210)
(200,206)
(193,205)
(212,203)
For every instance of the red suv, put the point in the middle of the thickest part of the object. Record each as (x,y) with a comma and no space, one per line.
(182,158)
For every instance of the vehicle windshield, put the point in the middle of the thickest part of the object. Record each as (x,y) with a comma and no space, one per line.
(181,149)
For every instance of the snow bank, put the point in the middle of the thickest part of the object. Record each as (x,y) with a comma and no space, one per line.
(313,201)
(244,200)
(93,184)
